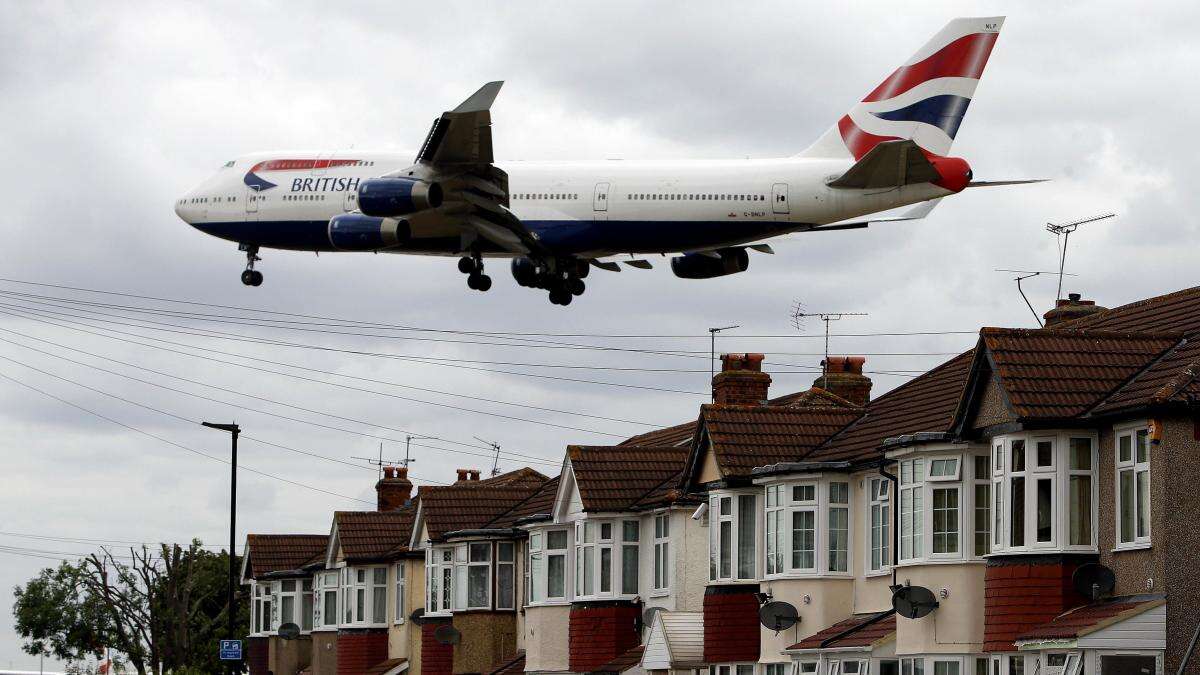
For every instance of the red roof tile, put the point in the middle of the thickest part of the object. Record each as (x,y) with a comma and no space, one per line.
(284,552)
(1058,374)
(470,505)
(384,666)
(540,503)
(745,437)
(617,478)
(513,666)
(680,434)
(374,535)
(1089,619)
(1170,313)
(624,662)
(881,631)
(1175,378)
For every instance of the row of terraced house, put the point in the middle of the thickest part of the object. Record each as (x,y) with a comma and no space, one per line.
(989,480)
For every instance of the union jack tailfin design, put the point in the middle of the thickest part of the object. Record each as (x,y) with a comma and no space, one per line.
(924,100)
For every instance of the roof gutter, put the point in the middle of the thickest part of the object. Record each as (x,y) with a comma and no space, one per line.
(497,532)
(919,438)
(798,467)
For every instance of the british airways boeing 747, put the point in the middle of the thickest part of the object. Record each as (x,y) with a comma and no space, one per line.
(556,220)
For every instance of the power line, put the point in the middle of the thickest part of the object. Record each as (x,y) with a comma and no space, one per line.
(170,442)
(90,540)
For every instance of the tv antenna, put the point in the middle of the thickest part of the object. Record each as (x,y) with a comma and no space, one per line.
(799,315)
(712,350)
(1063,232)
(1022,275)
(495,448)
(378,462)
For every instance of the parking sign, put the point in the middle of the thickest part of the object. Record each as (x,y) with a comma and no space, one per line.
(231,650)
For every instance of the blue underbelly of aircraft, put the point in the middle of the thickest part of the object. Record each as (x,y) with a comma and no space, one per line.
(562,236)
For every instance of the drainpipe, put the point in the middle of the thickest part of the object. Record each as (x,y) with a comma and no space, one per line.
(893,503)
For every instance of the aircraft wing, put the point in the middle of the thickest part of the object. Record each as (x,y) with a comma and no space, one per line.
(889,164)
(457,153)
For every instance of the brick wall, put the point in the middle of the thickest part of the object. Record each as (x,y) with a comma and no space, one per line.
(358,650)
(731,629)
(257,655)
(1021,592)
(487,638)
(436,658)
(1177,540)
(600,632)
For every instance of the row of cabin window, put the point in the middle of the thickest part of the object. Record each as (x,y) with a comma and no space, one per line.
(304,198)
(675,197)
(597,550)
(206,200)
(542,195)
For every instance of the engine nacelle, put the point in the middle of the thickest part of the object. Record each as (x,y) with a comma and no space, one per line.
(525,271)
(392,197)
(356,232)
(697,266)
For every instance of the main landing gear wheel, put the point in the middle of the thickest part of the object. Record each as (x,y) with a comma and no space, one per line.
(479,282)
(473,267)
(251,277)
(576,286)
(561,296)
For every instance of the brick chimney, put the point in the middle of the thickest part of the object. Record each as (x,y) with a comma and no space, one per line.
(462,474)
(394,489)
(741,380)
(472,474)
(1070,309)
(844,377)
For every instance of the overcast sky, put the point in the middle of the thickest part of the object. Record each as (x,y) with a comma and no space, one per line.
(112,112)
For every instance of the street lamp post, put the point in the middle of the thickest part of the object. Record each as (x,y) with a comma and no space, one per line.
(233,430)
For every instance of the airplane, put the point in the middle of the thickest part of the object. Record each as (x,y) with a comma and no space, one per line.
(556,220)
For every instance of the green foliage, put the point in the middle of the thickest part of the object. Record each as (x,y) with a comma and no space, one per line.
(58,617)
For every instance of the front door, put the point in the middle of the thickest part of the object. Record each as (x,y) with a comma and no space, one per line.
(251,200)
(779,198)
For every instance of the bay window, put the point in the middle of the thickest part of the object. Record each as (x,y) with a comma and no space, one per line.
(1043,493)
(364,596)
(260,608)
(662,552)
(1133,488)
(807,528)
(983,501)
(534,592)
(733,531)
(912,489)
(881,523)
(506,561)
(556,564)
(597,572)
(326,610)
(839,527)
(439,566)
(774,535)
(478,563)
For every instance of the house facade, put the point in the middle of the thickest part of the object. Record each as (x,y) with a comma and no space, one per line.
(1037,485)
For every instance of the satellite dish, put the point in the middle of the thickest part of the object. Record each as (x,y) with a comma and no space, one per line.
(649,614)
(447,635)
(289,631)
(1093,580)
(418,616)
(778,616)
(914,602)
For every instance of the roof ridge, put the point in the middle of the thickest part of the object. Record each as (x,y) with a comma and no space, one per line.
(1080,332)
(1107,313)
(1180,342)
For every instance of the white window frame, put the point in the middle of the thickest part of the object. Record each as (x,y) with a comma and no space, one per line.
(400,592)
(439,601)
(911,509)
(1071,473)
(981,509)
(841,506)
(307,597)
(662,572)
(630,540)
(733,519)
(509,565)
(785,504)
(465,563)
(955,535)
(592,545)
(364,580)
(954,473)
(879,520)
(1136,467)
(326,583)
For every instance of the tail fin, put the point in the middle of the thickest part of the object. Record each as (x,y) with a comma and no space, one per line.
(924,100)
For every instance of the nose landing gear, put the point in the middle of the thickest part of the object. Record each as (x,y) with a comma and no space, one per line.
(472,266)
(251,277)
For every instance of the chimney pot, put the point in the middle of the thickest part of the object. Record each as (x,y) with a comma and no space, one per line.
(741,380)
(1070,308)
(393,490)
(473,474)
(462,474)
(844,377)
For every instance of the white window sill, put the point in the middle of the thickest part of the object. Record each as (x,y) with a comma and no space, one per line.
(325,629)
(548,603)
(878,573)
(939,561)
(660,593)
(805,575)
(1132,547)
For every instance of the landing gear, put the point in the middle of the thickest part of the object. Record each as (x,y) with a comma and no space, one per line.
(251,277)
(560,296)
(473,267)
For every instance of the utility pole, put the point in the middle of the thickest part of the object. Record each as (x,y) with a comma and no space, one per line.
(712,352)
(233,430)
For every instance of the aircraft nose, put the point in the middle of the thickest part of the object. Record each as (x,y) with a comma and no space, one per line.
(181,209)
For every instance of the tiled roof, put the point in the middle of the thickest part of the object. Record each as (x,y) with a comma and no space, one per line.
(1090,618)
(1057,374)
(1173,379)
(680,434)
(540,503)
(1170,313)
(513,666)
(374,535)
(616,478)
(623,662)
(926,403)
(744,437)
(469,505)
(284,552)
(879,632)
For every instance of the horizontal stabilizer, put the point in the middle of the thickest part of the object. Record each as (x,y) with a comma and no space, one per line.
(887,165)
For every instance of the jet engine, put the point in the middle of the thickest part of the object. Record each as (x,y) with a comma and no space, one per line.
(356,232)
(392,197)
(704,266)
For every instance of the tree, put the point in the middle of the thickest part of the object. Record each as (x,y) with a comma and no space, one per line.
(159,610)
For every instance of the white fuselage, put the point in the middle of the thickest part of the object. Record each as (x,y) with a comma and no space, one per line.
(587,208)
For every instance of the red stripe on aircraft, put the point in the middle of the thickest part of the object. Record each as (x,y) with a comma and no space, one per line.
(301,164)
(965,57)
(857,141)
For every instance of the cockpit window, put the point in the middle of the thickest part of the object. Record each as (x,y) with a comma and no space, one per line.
(229,164)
